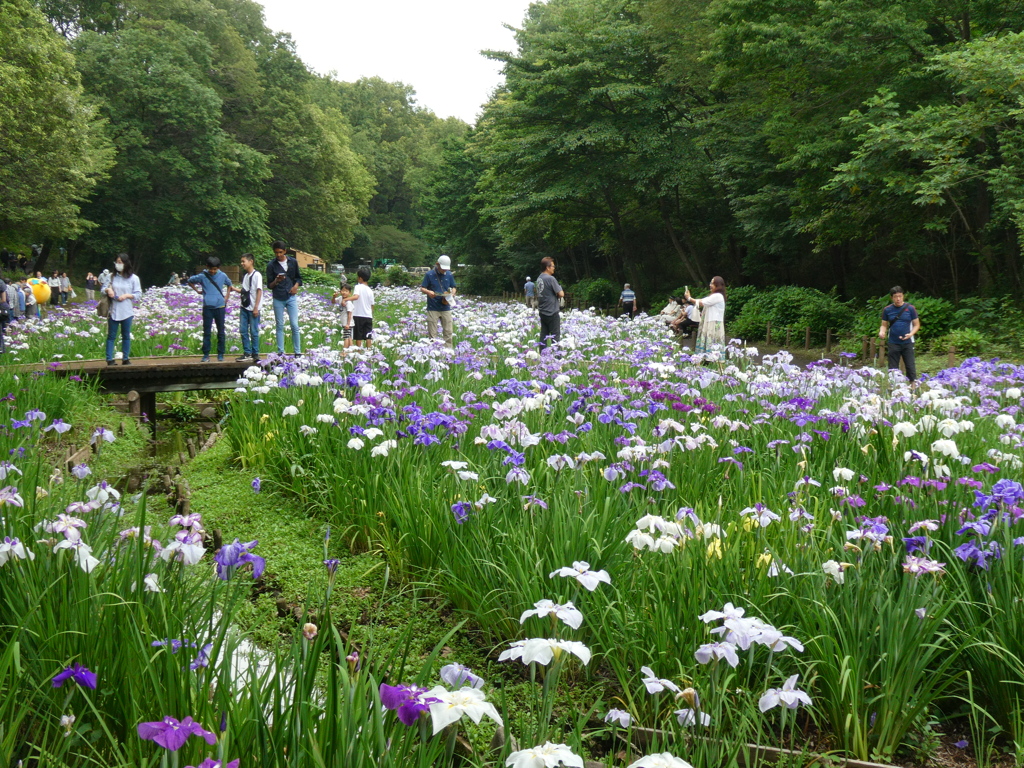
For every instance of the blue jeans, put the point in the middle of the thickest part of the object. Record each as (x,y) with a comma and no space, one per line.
(126,337)
(249,327)
(292,305)
(213,315)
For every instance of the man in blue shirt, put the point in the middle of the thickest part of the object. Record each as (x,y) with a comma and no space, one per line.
(531,294)
(211,283)
(900,322)
(628,300)
(439,286)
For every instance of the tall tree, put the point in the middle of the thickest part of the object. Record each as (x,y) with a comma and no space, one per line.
(588,145)
(53,150)
(182,186)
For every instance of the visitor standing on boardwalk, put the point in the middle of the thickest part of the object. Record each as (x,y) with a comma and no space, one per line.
(284,280)
(211,283)
(549,303)
(439,286)
(711,336)
(249,318)
(901,324)
(124,290)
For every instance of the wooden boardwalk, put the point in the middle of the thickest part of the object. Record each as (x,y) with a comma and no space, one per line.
(147,376)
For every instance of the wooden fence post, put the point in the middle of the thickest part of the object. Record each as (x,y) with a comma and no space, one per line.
(807,338)
(873,351)
(951,357)
(789,332)
(828,341)
(768,337)
(864,348)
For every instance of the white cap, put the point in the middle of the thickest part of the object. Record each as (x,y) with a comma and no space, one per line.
(527,277)
(445,262)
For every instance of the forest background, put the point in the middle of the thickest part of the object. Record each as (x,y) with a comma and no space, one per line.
(843,145)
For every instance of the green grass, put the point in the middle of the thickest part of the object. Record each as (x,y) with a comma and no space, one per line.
(375,607)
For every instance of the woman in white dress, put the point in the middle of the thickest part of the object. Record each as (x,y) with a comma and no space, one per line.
(711,335)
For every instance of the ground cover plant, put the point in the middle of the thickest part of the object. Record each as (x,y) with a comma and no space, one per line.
(710,547)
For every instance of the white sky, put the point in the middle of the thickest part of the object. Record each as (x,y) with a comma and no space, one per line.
(432,45)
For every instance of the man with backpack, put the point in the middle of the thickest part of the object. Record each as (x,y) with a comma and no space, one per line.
(901,323)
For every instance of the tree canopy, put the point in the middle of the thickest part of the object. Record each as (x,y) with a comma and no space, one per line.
(852,144)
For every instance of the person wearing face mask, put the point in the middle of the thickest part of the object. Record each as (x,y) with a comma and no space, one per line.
(124,290)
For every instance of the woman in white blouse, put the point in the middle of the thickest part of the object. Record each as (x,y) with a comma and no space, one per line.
(711,336)
(123,290)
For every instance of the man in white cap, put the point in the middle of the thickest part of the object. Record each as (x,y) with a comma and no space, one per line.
(439,286)
(531,295)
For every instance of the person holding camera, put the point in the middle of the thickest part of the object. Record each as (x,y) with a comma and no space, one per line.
(249,318)
(284,280)
(210,283)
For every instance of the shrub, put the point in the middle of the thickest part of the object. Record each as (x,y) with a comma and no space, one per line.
(314,278)
(788,307)
(396,275)
(596,292)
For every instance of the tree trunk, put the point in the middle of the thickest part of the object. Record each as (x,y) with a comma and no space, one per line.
(43,257)
(690,261)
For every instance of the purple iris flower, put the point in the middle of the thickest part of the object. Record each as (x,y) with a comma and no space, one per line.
(172,734)
(202,658)
(461,510)
(972,553)
(81,471)
(77,673)
(407,700)
(979,527)
(916,544)
(211,763)
(457,675)
(1007,492)
(256,484)
(59,426)
(657,480)
(332,565)
(984,467)
(232,556)
(627,487)
(174,644)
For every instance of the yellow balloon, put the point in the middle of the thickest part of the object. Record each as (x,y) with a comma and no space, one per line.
(40,290)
